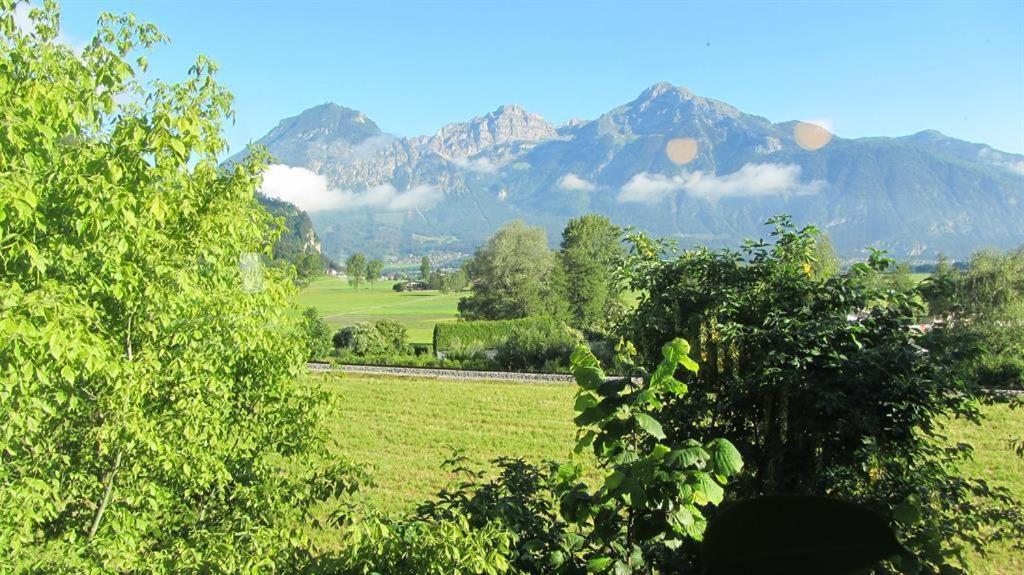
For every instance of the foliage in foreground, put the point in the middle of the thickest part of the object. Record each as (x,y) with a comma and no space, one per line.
(147,364)
(822,386)
(653,495)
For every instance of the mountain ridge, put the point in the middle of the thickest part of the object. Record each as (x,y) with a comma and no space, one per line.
(915,195)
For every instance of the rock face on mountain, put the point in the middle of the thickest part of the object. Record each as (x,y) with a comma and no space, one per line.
(669,162)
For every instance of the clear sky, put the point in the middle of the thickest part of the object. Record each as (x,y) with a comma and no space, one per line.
(870,68)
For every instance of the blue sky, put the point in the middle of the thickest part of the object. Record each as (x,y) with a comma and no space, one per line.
(890,68)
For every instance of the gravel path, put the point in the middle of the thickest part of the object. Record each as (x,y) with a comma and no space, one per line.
(445,373)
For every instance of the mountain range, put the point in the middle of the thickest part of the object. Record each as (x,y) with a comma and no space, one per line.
(671,163)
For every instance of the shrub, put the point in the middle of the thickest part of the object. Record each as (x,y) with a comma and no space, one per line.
(545,346)
(393,333)
(482,334)
(316,334)
(361,339)
(379,544)
(400,286)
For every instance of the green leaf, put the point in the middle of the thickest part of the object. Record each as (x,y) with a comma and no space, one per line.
(675,350)
(725,458)
(614,480)
(704,487)
(588,377)
(590,416)
(650,425)
(598,564)
(584,401)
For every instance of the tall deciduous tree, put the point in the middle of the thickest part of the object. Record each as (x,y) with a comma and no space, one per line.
(147,362)
(585,275)
(355,269)
(425,269)
(511,275)
(373,270)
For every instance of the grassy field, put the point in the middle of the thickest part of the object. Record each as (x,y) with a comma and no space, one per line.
(342,305)
(404,428)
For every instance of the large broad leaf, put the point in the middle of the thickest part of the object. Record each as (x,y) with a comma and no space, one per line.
(588,377)
(725,458)
(650,425)
(675,350)
(796,535)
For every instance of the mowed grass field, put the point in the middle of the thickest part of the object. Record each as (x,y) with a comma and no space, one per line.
(404,428)
(342,305)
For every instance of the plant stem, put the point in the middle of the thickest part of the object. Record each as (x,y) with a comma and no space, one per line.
(107,489)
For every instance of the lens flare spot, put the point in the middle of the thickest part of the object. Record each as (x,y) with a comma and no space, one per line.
(681,150)
(810,136)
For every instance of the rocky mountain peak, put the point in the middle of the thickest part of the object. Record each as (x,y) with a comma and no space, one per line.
(509,123)
(328,121)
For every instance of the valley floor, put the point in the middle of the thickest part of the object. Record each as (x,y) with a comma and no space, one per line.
(341,305)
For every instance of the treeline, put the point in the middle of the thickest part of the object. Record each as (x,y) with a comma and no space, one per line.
(516,275)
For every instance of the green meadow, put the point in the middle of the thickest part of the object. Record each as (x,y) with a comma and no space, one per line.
(404,428)
(340,305)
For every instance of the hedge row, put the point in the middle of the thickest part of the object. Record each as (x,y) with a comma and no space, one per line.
(482,333)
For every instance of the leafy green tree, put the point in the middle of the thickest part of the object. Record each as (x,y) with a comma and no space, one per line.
(511,275)
(425,269)
(147,359)
(940,289)
(373,271)
(355,269)
(821,385)
(585,275)
(990,306)
(317,334)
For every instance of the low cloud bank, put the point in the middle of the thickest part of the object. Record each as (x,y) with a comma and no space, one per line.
(752,180)
(310,192)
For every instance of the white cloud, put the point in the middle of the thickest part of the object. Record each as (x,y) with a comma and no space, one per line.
(574,183)
(479,165)
(1006,161)
(752,180)
(645,188)
(311,192)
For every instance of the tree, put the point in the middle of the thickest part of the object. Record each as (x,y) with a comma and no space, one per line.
(990,306)
(425,269)
(820,384)
(317,334)
(355,269)
(585,275)
(511,275)
(148,359)
(373,271)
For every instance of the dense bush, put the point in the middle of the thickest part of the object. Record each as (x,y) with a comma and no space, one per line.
(380,338)
(545,346)
(394,333)
(481,334)
(316,334)
(362,339)
(375,543)
(400,286)
(821,385)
